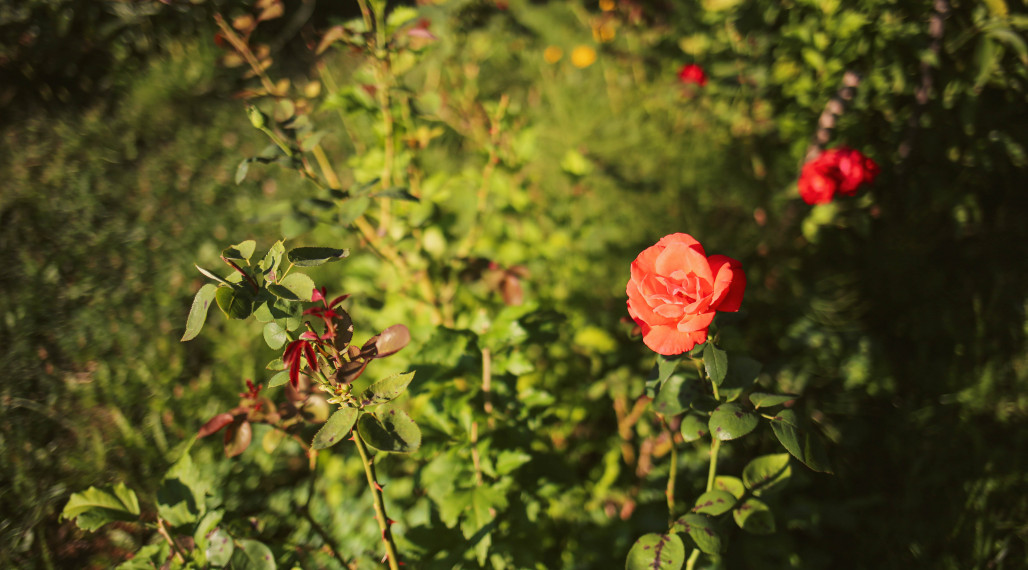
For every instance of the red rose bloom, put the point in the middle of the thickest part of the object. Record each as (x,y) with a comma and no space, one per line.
(675,290)
(692,73)
(839,169)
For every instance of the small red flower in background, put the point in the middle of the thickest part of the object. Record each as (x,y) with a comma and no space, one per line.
(692,73)
(836,170)
(675,290)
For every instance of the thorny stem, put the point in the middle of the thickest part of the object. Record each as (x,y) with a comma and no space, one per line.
(380,513)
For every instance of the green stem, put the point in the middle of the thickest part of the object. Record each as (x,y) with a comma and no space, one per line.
(380,513)
(672,475)
(715,446)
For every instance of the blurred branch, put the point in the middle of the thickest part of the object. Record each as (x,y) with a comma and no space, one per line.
(936,27)
(833,109)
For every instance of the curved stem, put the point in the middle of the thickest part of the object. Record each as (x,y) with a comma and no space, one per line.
(672,475)
(380,513)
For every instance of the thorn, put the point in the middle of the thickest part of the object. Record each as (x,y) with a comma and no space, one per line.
(379,487)
(390,522)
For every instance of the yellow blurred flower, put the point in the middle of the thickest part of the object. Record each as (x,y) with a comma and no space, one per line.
(583,56)
(606,5)
(552,54)
(604,31)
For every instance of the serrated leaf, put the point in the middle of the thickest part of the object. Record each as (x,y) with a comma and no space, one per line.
(235,302)
(95,507)
(754,516)
(273,258)
(394,432)
(252,555)
(293,287)
(764,400)
(714,503)
(219,548)
(803,445)
(198,311)
(279,379)
(676,394)
(336,428)
(701,530)
(715,361)
(275,335)
(656,552)
(482,504)
(693,427)
(731,421)
(314,256)
(766,473)
(242,251)
(386,389)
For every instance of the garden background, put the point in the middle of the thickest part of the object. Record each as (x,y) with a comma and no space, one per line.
(897,315)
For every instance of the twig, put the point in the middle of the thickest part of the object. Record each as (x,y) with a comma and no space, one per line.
(833,109)
(936,26)
(384,522)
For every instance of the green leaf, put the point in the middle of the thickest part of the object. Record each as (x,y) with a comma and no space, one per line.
(352,209)
(293,287)
(275,335)
(656,552)
(207,525)
(94,507)
(676,394)
(212,275)
(335,429)
(272,259)
(482,504)
(198,312)
(715,361)
(396,193)
(732,485)
(754,516)
(147,558)
(762,399)
(742,373)
(766,473)
(279,379)
(731,421)
(241,251)
(314,256)
(235,302)
(714,503)
(386,389)
(220,548)
(252,555)
(242,169)
(510,459)
(394,432)
(803,445)
(181,498)
(700,529)
(693,427)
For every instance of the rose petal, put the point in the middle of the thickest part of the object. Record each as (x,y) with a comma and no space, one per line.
(691,323)
(683,256)
(669,341)
(729,283)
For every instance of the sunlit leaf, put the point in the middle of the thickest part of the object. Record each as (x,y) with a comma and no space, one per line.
(656,552)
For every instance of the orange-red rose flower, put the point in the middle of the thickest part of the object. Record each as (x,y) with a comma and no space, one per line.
(839,169)
(675,289)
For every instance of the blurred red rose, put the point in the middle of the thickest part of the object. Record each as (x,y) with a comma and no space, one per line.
(839,169)
(692,73)
(675,289)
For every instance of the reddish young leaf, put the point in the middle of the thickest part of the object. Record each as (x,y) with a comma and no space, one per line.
(214,424)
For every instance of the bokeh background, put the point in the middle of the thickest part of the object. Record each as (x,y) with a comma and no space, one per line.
(898,315)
